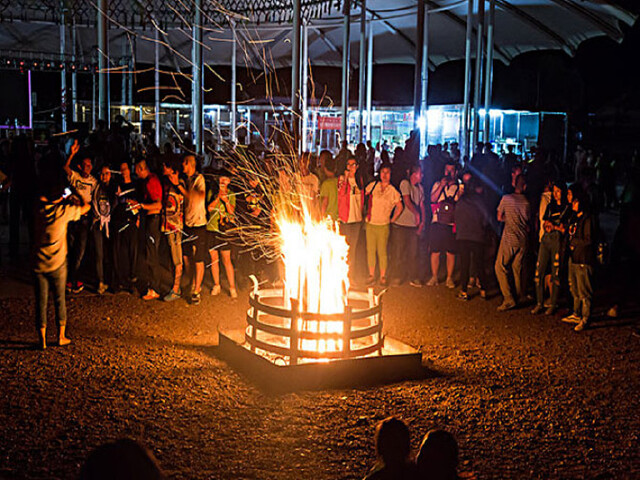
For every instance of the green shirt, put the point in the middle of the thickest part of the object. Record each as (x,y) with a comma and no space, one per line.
(329,190)
(219,215)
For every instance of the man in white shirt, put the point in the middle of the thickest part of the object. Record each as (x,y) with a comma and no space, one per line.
(83,185)
(310,184)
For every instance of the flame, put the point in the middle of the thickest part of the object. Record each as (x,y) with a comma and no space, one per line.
(316,273)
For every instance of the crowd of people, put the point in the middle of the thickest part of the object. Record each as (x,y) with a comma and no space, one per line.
(143,212)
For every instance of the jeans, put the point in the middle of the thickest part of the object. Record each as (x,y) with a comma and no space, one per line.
(581,290)
(510,259)
(351,232)
(78,232)
(466,248)
(377,240)
(57,280)
(549,252)
(125,254)
(152,245)
(102,245)
(404,253)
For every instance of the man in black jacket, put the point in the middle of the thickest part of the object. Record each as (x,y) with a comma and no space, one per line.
(581,261)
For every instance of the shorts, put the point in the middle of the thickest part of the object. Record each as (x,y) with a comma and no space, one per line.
(442,238)
(175,247)
(194,244)
(218,241)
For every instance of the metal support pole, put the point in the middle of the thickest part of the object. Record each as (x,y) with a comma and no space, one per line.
(464,134)
(369,78)
(305,87)
(156,84)
(132,67)
(362,69)
(123,76)
(93,100)
(63,71)
(295,72)
(417,73)
(74,75)
(234,81)
(346,40)
(103,57)
(196,59)
(424,80)
(488,81)
(477,99)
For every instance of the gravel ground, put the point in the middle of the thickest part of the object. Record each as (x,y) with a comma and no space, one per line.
(526,396)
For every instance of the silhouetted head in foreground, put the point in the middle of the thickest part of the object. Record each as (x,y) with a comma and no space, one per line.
(438,456)
(393,443)
(123,459)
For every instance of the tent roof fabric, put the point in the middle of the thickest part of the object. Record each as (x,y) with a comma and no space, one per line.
(264,29)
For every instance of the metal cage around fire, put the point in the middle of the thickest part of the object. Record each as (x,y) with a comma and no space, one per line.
(279,330)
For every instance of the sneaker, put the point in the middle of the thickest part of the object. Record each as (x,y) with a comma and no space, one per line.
(433,282)
(151,295)
(550,310)
(538,309)
(69,287)
(195,298)
(463,296)
(371,281)
(171,296)
(483,294)
(416,283)
(102,288)
(384,282)
(581,326)
(450,283)
(504,306)
(613,312)
(233,293)
(573,318)
(77,287)
(215,290)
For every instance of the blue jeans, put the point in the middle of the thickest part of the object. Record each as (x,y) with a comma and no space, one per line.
(57,281)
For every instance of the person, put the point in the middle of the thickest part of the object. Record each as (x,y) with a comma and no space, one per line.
(393,447)
(124,459)
(195,221)
(53,214)
(310,184)
(329,191)
(472,221)
(222,209)
(445,193)
(438,456)
(173,222)
(554,225)
(407,228)
(151,205)
(104,198)
(515,212)
(125,221)
(581,262)
(82,184)
(350,200)
(384,206)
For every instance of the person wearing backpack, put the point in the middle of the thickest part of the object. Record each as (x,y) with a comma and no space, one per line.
(444,196)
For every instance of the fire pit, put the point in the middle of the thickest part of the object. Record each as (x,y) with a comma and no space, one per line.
(315,330)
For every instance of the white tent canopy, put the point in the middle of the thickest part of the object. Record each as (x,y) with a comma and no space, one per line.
(520,26)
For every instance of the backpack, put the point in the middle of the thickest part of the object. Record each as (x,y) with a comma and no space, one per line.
(446,208)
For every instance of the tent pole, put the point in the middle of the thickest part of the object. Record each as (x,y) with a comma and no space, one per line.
(295,73)
(156,85)
(197,77)
(424,88)
(305,86)
(488,82)
(103,55)
(132,67)
(369,78)
(74,75)
(63,70)
(346,32)
(123,62)
(464,134)
(417,76)
(234,81)
(362,69)
(477,99)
